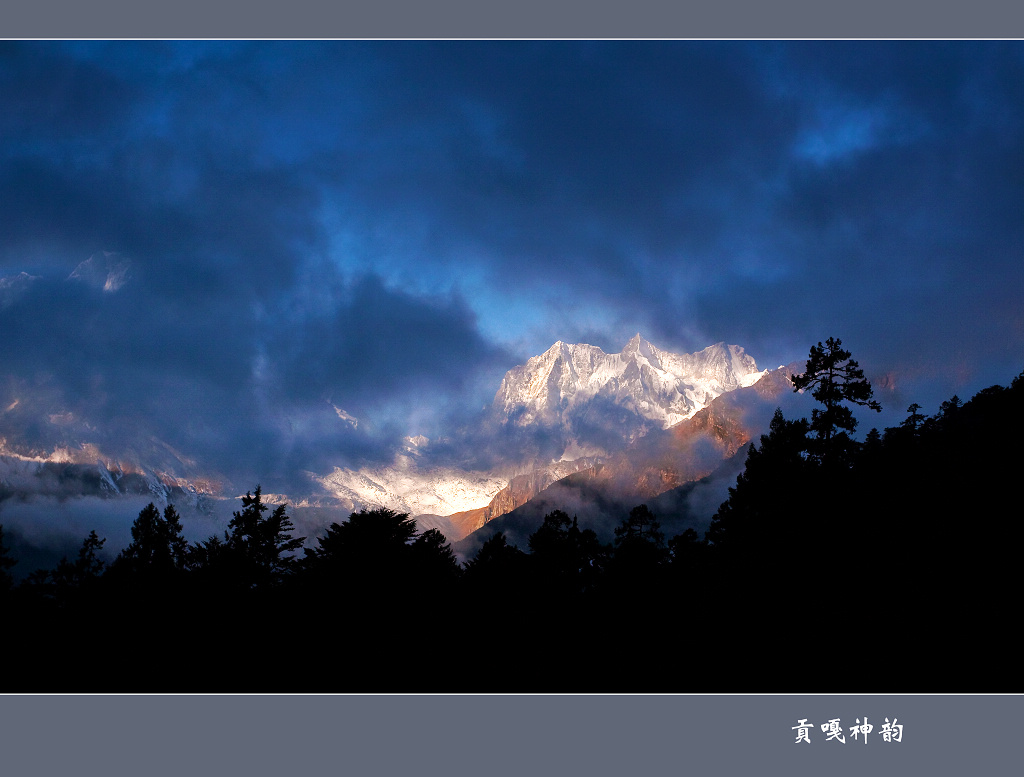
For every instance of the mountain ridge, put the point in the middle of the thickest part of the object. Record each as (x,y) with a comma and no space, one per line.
(712,441)
(562,411)
(657,385)
(570,409)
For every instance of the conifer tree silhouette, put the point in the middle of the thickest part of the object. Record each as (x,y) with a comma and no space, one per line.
(834,379)
(262,548)
(158,547)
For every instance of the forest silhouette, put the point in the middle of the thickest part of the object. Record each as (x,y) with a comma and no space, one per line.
(888,565)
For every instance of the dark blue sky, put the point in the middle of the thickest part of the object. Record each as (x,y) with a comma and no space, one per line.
(386,227)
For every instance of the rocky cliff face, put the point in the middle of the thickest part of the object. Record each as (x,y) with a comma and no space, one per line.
(521,489)
(660,461)
(692,449)
(564,411)
(660,469)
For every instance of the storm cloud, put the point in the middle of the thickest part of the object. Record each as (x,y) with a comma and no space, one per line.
(330,245)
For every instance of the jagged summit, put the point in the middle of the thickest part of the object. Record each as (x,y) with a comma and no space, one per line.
(579,388)
(563,410)
(635,343)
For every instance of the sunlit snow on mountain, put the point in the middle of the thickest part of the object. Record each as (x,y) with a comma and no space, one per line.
(578,401)
(411,486)
(656,385)
(563,411)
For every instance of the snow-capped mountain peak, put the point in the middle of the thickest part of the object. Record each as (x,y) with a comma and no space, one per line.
(560,387)
(637,345)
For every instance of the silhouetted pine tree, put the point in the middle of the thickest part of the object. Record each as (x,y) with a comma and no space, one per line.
(366,562)
(262,548)
(835,380)
(370,546)
(158,549)
(640,526)
(85,570)
(756,519)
